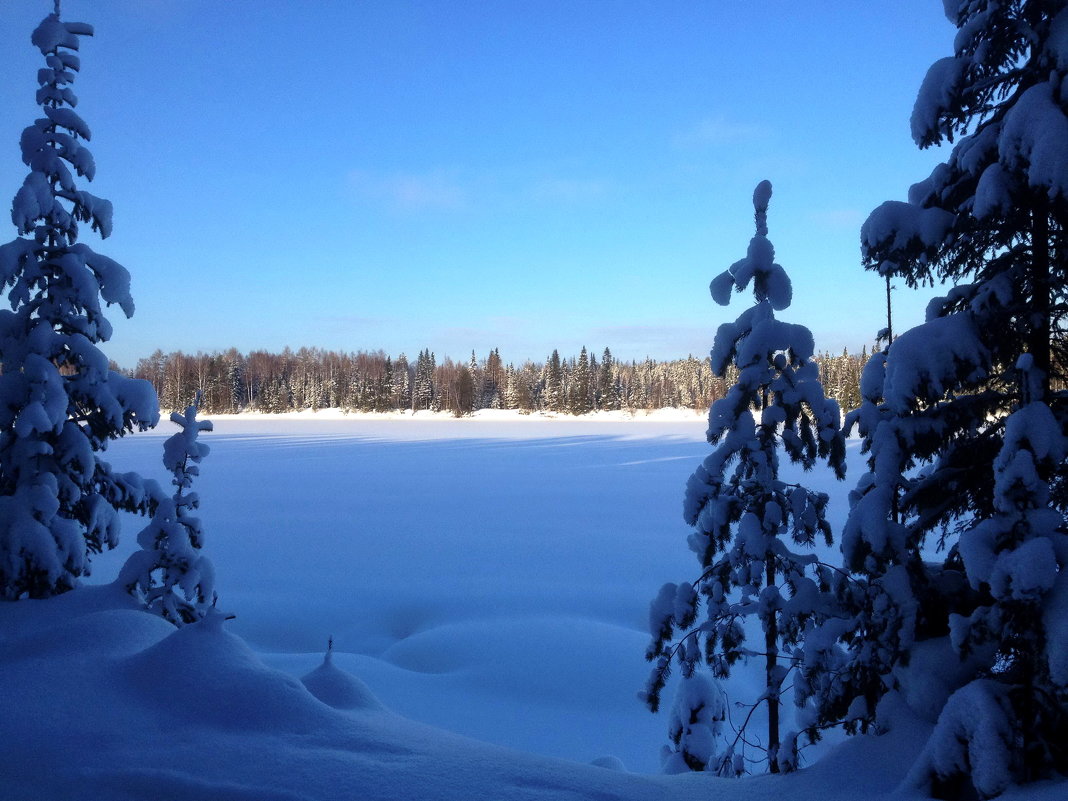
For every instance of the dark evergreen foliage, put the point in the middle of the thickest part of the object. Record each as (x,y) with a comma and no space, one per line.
(747,520)
(311,378)
(61,402)
(956,541)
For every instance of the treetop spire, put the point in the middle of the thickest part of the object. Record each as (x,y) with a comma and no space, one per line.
(770,281)
(761,199)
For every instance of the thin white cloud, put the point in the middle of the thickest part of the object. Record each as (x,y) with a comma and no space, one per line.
(662,341)
(444,190)
(718,131)
(352,320)
(433,191)
(838,218)
(571,190)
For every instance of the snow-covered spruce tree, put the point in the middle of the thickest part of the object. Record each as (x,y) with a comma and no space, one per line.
(975,394)
(169,574)
(423,388)
(746,518)
(696,727)
(552,376)
(608,383)
(60,404)
(848,655)
(581,396)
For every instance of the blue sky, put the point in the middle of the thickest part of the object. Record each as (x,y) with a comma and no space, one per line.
(455,175)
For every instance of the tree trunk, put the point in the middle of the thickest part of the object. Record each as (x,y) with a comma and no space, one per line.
(771,644)
(1038,342)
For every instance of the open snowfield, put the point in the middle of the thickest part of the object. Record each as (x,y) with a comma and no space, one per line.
(489,577)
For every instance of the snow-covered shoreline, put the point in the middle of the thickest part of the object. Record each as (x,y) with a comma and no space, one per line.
(427,425)
(480,416)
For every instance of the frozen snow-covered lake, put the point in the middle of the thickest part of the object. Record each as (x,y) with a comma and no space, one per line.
(489,576)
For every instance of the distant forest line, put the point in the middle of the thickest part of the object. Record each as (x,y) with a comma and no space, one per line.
(311,378)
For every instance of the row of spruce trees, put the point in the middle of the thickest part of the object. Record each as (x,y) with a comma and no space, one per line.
(311,378)
(951,594)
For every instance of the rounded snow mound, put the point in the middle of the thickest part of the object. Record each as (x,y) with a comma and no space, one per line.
(203,673)
(108,632)
(340,689)
(610,763)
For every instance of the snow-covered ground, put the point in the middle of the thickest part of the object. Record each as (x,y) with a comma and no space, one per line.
(487,576)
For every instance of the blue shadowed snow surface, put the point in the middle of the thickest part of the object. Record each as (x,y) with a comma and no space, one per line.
(492,578)
(487,577)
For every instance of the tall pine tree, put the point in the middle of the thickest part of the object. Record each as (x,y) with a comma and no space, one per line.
(423,394)
(553,379)
(581,393)
(60,404)
(970,395)
(746,518)
(608,383)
